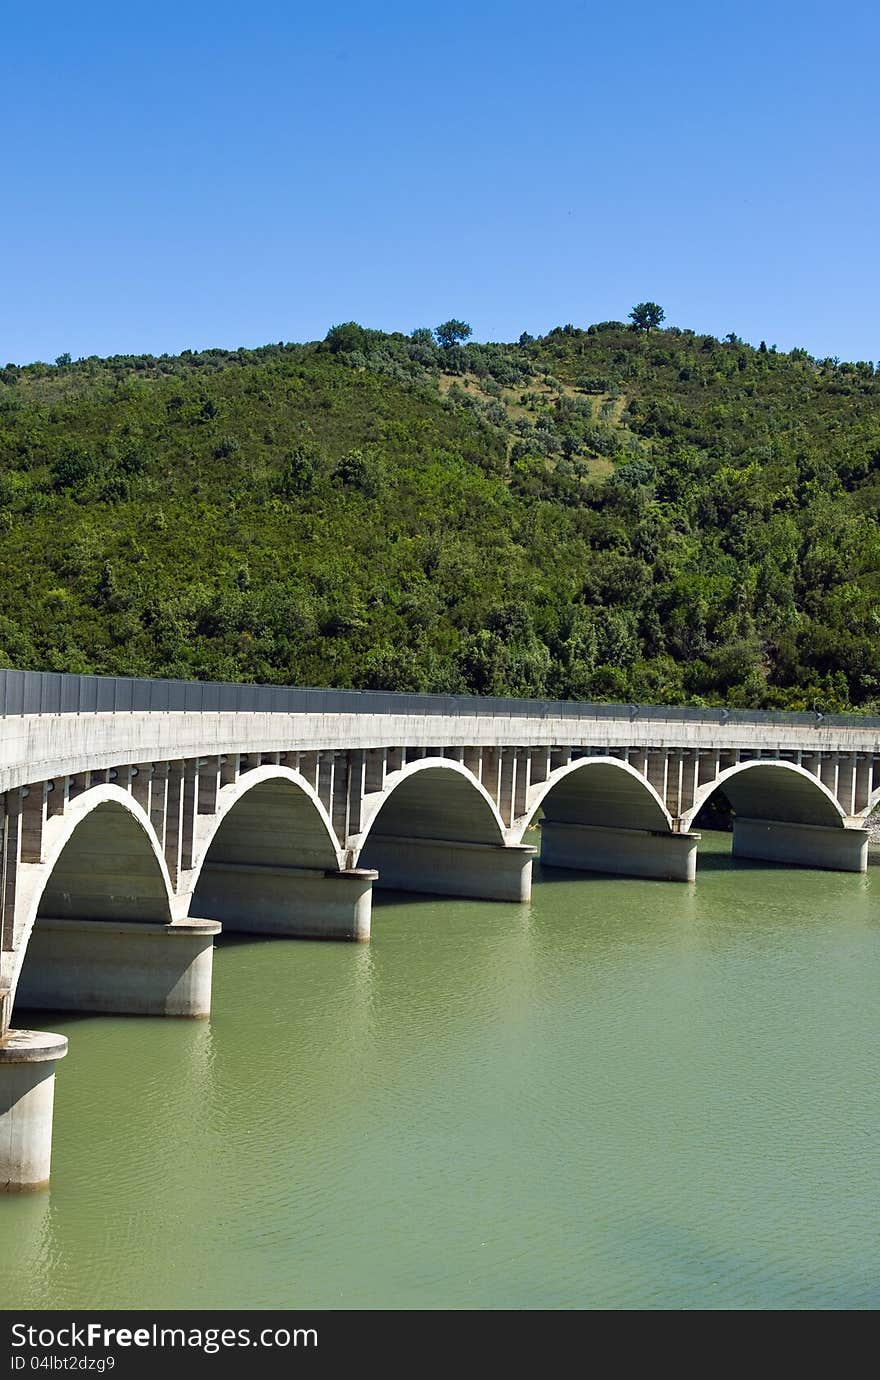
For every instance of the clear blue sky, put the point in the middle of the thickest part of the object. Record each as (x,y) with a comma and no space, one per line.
(190,174)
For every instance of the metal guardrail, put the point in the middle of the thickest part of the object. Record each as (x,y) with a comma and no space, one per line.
(48,692)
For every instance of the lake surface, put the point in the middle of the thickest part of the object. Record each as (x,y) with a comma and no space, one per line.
(625,1095)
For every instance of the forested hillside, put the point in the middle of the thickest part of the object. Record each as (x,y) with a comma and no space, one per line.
(609,513)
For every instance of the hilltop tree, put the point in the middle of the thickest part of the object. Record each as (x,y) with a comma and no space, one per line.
(345,339)
(646,316)
(452,333)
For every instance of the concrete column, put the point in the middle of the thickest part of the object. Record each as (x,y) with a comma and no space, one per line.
(299,902)
(523,781)
(846,782)
(11,863)
(341,784)
(174,820)
(374,775)
(7,937)
(126,967)
(229,768)
(209,786)
(122,777)
(507,785)
(159,800)
(539,765)
(658,761)
(33,821)
(357,774)
(674,766)
(140,785)
(188,814)
(708,767)
(836,849)
(689,769)
(435,867)
(620,852)
(472,758)
(27,1096)
(78,783)
(638,758)
(491,769)
(56,801)
(325,788)
(308,766)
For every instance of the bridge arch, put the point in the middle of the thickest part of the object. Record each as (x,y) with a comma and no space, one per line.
(774,790)
(435,829)
(101,862)
(604,792)
(264,866)
(432,798)
(272,817)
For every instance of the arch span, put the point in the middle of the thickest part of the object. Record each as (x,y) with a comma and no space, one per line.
(434,798)
(772,790)
(603,792)
(102,863)
(269,817)
(435,829)
(272,863)
(601,815)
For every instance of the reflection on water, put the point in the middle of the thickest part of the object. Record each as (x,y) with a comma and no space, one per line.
(626,1095)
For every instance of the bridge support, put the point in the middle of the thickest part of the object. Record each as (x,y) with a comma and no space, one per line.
(621,852)
(436,867)
(124,967)
(27,1095)
(299,902)
(801,845)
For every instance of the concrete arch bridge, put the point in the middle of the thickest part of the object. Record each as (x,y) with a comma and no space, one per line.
(138,817)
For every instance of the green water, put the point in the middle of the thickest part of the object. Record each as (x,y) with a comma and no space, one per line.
(626,1095)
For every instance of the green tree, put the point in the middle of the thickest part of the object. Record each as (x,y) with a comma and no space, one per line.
(345,339)
(646,316)
(452,333)
(359,471)
(298,474)
(74,468)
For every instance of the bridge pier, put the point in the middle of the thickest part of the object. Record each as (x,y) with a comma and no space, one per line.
(801,845)
(299,902)
(123,967)
(439,867)
(620,852)
(27,1095)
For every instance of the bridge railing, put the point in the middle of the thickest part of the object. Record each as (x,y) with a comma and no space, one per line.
(48,692)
